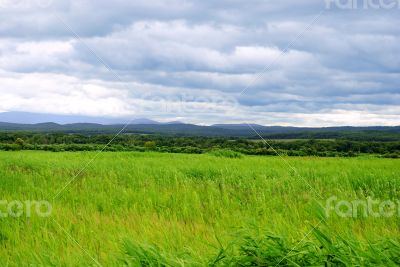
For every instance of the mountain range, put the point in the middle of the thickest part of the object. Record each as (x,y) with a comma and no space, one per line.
(35,118)
(23,121)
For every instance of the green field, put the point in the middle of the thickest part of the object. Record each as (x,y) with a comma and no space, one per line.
(160,209)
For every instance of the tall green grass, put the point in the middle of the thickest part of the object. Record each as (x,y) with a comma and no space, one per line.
(270,250)
(151,209)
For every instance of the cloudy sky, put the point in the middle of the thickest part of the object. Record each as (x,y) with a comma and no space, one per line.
(298,62)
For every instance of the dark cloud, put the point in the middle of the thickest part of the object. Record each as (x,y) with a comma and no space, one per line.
(346,60)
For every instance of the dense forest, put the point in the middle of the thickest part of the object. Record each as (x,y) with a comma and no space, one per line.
(378,133)
(58,142)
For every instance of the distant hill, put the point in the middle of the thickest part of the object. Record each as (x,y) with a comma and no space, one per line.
(378,133)
(92,128)
(35,118)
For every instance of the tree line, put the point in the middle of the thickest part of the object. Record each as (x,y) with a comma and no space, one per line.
(59,142)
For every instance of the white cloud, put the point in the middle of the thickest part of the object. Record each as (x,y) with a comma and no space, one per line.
(180,58)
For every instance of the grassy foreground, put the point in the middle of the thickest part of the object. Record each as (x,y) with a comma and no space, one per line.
(153,209)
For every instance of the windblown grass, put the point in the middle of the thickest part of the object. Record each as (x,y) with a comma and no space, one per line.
(151,209)
(271,250)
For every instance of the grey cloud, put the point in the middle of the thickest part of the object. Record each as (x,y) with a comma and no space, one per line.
(347,60)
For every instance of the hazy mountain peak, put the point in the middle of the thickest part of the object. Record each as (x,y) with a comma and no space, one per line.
(35,118)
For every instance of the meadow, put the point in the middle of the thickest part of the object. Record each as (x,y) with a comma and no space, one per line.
(161,209)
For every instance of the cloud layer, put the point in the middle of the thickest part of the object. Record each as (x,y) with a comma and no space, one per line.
(270,62)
